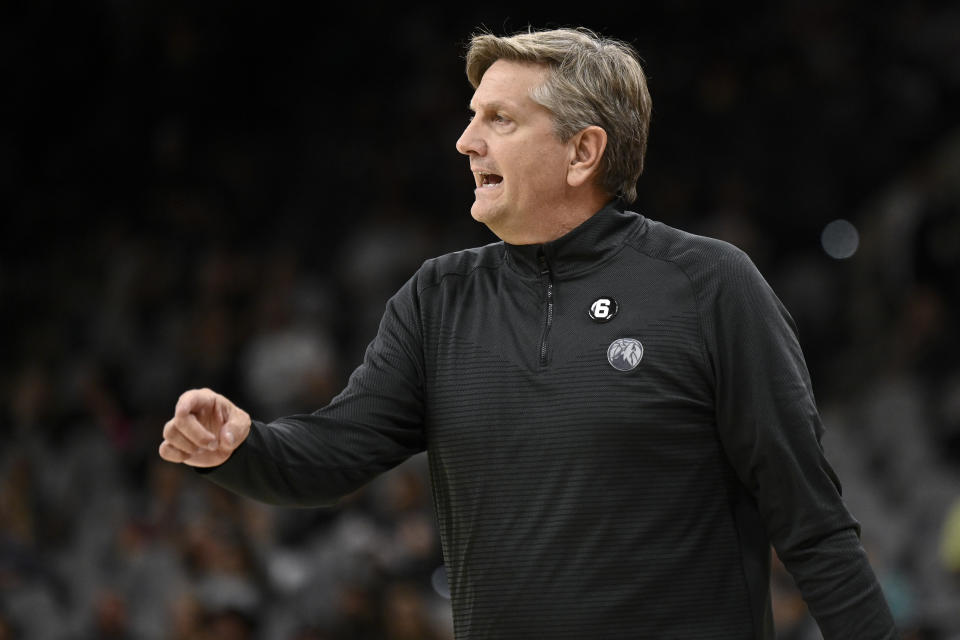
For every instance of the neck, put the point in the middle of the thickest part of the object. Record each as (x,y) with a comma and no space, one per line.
(562,220)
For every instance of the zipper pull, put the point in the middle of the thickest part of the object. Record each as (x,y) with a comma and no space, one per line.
(544,266)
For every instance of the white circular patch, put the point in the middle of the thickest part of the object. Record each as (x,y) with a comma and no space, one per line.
(604,309)
(624,354)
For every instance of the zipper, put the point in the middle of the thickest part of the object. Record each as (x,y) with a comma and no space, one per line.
(547,279)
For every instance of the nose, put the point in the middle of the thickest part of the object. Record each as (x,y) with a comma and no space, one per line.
(470,142)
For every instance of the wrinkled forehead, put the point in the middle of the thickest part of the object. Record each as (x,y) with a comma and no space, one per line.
(508,83)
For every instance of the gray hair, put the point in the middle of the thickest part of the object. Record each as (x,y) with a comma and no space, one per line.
(593,81)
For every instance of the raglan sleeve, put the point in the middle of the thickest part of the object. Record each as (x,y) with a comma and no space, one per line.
(375,423)
(770,428)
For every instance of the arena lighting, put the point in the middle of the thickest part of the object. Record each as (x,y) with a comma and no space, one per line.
(840,239)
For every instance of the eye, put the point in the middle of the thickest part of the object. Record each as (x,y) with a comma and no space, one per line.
(500,118)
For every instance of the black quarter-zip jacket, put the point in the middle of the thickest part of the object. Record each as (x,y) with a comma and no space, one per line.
(576,499)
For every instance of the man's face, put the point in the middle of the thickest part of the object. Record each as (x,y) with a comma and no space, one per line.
(518,163)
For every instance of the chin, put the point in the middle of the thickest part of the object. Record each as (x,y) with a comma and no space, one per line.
(496,221)
(482,213)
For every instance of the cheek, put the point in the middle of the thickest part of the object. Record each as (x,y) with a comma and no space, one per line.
(534,166)
(545,171)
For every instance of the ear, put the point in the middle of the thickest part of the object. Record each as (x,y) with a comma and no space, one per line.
(586,150)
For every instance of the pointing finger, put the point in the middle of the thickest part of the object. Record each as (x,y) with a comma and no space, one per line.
(195,401)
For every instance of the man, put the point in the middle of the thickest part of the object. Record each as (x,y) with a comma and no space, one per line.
(618,415)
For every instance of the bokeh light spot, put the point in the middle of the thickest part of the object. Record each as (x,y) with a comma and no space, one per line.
(840,239)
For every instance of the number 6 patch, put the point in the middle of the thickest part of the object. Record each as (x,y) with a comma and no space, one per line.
(604,309)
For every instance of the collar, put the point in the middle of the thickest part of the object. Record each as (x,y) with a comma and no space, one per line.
(594,242)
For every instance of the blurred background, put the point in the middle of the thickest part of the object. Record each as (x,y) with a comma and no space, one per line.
(224,194)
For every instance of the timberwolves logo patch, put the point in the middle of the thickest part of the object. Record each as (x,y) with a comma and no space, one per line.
(624,354)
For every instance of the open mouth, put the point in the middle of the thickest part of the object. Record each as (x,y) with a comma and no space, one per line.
(487,180)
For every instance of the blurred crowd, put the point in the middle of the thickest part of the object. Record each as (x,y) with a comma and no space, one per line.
(225,196)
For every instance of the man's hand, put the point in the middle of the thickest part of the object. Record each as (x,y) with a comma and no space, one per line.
(204,430)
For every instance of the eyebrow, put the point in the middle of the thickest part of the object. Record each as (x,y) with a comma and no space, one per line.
(493,105)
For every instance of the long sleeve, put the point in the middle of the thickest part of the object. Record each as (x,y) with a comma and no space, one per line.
(373,425)
(770,429)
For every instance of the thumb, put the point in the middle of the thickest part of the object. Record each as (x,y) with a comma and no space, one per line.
(235,429)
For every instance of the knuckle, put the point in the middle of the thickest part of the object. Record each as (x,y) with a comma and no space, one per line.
(180,441)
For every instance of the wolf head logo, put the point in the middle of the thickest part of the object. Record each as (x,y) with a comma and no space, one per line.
(624,354)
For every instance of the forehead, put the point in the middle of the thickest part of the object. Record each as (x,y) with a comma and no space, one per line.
(510,83)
